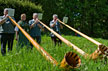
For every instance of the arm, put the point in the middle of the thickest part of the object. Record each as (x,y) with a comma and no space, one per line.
(52,25)
(32,25)
(61,26)
(3,20)
(16,32)
(16,35)
(40,27)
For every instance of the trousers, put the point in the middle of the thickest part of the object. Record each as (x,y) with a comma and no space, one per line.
(6,38)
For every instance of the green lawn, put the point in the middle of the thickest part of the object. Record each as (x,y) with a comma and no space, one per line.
(25,60)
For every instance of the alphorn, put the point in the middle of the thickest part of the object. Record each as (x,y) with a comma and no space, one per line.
(36,45)
(65,40)
(102,49)
(71,60)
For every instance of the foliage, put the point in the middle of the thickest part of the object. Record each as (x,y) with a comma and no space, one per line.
(20,7)
(90,15)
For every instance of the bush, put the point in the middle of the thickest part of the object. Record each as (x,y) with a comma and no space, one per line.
(20,7)
(82,13)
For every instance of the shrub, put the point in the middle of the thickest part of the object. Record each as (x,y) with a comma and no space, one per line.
(20,7)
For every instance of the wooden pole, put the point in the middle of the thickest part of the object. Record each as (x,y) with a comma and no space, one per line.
(37,46)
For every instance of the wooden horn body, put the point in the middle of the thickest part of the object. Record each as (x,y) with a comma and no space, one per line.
(37,46)
(47,55)
(102,49)
(65,40)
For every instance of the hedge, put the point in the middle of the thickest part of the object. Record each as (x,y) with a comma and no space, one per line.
(20,7)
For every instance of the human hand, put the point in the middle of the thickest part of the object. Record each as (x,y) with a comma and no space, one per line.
(7,16)
(36,21)
(16,38)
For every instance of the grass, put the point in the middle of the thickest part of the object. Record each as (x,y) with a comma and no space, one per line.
(25,60)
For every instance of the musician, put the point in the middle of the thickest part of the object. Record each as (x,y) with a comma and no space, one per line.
(7,32)
(55,25)
(35,28)
(22,40)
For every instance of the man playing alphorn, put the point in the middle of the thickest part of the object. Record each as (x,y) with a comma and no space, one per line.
(55,25)
(7,32)
(35,28)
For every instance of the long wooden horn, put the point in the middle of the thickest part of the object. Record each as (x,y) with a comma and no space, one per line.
(37,46)
(102,47)
(70,61)
(85,36)
(65,40)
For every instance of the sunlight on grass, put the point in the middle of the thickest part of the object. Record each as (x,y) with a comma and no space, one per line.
(26,60)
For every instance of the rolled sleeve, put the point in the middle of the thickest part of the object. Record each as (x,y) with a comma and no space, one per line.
(51,23)
(30,23)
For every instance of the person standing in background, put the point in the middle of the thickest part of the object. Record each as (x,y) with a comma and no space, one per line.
(55,25)
(22,40)
(35,29)
(7,32)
